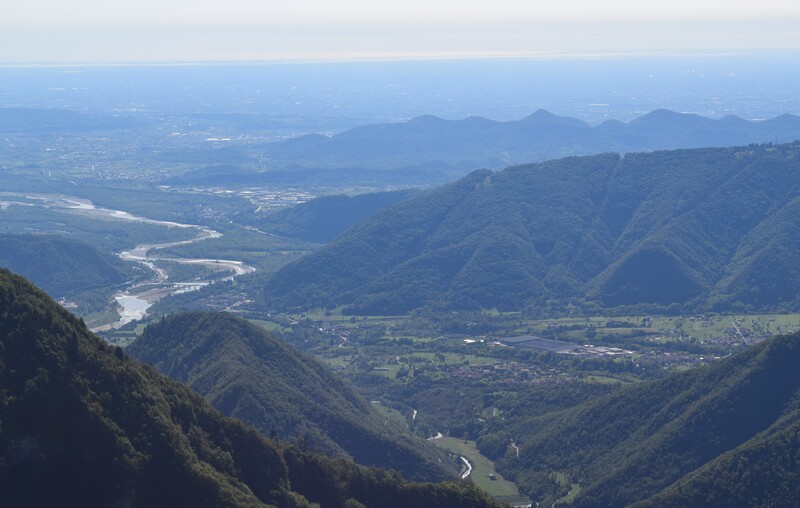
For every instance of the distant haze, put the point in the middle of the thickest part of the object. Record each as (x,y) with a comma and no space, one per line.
(91,31)
(322,97)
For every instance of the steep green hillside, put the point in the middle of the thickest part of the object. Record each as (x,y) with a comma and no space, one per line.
(256,377)
(81,424)
(323,219)
(762,472)
(697,228)
(60,265)
(721,435)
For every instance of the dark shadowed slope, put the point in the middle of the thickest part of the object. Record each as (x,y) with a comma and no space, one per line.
(60,265)
(256,377)
(81,424)
(323,219)
(761,472)
(721,435)
(697,228)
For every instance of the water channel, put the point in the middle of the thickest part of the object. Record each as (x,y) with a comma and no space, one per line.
(134,300)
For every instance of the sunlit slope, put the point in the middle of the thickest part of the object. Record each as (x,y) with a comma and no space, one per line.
(704,228)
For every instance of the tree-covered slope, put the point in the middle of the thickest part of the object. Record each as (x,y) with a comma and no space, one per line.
(476,142)
(60,265)
(82,424)
(323,219)
(256,377)
(720,435)
(762,472)
(699,228)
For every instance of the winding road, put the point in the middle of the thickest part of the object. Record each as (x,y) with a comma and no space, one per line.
(468,465)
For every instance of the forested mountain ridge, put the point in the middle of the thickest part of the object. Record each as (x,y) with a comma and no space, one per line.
(476,142)
(726,434)
(252,375)
(698,229)
(82,424)
(61,265)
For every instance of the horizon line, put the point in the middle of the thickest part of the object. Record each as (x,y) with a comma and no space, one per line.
(409,57)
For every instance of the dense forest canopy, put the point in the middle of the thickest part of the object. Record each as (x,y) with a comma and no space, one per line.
(61,265)
(82,424)
(726,434)
(683,230)
(252,375)
(324,218)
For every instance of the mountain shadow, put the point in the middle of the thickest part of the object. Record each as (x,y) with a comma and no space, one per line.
(82,424)
(250,374)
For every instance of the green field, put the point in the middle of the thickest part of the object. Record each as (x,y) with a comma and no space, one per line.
(667,329)
(336,361)
(270,326)
(564,481)
(449,358)
(482,468)
(388,370)
(391,414)
(390,365)
(336,316)
(769,324)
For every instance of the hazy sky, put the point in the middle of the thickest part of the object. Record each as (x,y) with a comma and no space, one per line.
(203,30)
